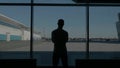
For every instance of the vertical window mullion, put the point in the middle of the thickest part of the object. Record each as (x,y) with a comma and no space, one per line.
(87,30)
(31,31)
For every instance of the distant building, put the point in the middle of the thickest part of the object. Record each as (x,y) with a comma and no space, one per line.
(118,26)
(11,29)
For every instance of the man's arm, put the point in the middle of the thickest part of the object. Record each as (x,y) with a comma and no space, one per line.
(53,40)
(66,36)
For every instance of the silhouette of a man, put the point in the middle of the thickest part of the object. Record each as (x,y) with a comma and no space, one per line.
(59,38)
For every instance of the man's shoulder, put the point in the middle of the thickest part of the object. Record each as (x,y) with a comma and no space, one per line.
(57,31)
(54,30)
(65,32)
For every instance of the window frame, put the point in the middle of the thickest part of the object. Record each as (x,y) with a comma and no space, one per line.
(85,4)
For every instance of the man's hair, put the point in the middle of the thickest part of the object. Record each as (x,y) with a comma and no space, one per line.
(60,22)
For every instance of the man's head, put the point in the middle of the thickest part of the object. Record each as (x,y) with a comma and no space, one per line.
(60,23)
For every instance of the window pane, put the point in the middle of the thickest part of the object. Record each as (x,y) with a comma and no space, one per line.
(45,21)
(104,43)
(14,32)
(15,1)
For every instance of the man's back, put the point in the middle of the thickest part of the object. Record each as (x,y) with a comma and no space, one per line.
(59,36)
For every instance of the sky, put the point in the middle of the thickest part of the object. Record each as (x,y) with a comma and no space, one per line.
(102,19)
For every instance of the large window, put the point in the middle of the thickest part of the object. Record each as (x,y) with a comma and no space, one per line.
(14,32)
(45,21)
(103,32)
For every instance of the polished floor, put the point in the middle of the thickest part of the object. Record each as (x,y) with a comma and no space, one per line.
(52,67)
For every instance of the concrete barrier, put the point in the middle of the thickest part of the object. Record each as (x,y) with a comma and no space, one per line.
(98,63)
(17,63)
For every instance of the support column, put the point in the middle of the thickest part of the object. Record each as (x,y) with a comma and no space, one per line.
(8,36)
(118,26)
(22,33)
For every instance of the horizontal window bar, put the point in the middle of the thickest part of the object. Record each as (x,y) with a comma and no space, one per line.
(15,4)
(57,4)
(97,1)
